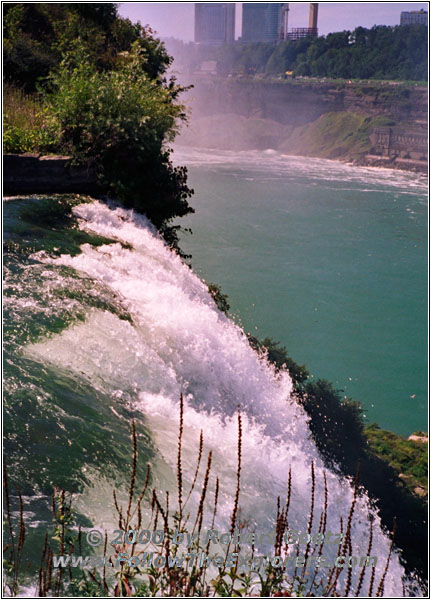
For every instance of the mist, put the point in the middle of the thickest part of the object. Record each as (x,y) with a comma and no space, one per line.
(260,96)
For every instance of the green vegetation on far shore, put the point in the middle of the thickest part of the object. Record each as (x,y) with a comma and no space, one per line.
(382,53)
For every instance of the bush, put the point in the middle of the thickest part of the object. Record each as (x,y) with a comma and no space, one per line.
(277,355)
(335,423)
(119,121)
(102,97)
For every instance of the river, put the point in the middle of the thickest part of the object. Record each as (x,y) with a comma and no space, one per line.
(327,258)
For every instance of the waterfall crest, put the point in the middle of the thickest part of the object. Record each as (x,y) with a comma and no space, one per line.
(178,342)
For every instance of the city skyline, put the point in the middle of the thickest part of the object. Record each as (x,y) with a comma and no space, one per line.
(176,19)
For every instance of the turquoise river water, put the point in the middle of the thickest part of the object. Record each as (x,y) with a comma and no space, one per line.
(328,259)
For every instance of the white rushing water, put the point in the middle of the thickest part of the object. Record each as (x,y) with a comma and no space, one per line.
(180,342)
(299,168)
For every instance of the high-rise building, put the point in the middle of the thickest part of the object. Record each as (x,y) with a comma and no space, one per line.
(284,21)
(214,23)
(262,22)
(414,17)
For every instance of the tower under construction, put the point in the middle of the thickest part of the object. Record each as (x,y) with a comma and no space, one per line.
(297,33)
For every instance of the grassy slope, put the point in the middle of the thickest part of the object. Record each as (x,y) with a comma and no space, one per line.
(334,135)
(26,127)
(407,457)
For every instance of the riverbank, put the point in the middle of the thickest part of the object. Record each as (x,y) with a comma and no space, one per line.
(375,125)
(342,136)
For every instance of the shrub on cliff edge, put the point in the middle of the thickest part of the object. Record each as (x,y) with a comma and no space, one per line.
(102,96)
(119,122)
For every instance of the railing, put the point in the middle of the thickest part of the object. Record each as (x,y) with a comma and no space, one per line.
(301,32)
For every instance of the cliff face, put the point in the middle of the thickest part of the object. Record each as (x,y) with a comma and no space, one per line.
(298,103)
(312,118)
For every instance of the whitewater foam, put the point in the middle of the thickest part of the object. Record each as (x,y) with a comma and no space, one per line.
(179,342)
(273,164)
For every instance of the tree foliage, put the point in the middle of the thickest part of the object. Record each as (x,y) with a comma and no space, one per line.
(37,36)
(396,53)
(102,85)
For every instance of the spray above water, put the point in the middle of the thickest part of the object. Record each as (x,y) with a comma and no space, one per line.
(178,342)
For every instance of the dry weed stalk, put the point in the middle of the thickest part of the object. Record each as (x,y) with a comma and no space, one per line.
(238,476)
(16,544)
(147,580)
(362,574)
(381,586)
(179,466)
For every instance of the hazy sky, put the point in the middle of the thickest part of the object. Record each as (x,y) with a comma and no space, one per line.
(176,19)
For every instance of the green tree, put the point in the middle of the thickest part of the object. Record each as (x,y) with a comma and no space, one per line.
(378,53)
(119,121)
(103,90)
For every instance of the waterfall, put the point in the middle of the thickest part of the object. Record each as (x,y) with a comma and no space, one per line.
(171,339)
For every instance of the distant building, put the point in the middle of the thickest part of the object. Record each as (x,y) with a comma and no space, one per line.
(312,19)
(214,23)
(262,22)
(414,17)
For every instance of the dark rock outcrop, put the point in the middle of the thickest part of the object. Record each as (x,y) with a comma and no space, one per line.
(35,174)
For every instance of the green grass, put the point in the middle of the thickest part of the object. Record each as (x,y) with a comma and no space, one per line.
(407,457)
(26,124)
(341,135)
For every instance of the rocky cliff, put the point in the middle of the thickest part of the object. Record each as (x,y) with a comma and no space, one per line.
(308,117)
(295,102)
